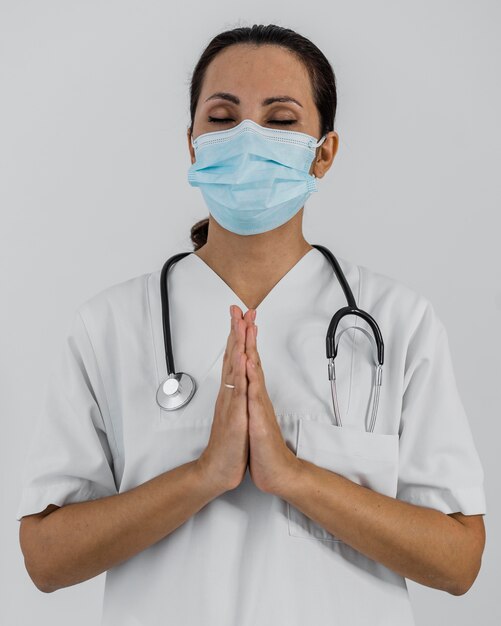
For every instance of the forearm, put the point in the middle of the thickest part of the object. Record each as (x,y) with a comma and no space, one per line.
(81,540)
(419,543)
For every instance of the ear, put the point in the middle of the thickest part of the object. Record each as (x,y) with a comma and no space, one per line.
(190,147)
(325,155)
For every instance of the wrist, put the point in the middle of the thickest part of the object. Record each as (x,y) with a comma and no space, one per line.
(208,479)
(290,478)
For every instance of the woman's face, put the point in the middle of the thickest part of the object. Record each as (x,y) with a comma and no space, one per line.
(245,82)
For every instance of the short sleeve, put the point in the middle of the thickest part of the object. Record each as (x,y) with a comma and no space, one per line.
(439,466)
(70,454)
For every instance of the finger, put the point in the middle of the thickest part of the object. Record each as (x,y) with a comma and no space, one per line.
(236,397)
(251,345)
(248,319)
(236,366)
(229,366)
(230,343)
(237,311)
(241,324)
(239,394)
(250,316)
(235,341)
(254,371)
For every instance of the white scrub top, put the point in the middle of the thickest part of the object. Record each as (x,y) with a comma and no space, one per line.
(248,557)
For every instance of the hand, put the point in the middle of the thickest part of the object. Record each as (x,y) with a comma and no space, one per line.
(226,456)
(271,462)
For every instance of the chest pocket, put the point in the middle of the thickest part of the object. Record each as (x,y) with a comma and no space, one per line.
(367,458)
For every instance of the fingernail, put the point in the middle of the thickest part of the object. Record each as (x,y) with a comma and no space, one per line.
(254,314)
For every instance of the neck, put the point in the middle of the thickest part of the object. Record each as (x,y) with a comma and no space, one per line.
(253,264)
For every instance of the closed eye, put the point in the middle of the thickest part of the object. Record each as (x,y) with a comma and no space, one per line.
(225,120)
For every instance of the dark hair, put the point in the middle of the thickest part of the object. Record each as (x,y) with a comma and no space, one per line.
(318,67)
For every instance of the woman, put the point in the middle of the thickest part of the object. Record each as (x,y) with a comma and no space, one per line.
(248,505)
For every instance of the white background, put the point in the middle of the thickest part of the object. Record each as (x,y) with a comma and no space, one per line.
(94,107)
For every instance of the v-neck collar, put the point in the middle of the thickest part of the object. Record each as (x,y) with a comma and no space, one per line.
(280,285)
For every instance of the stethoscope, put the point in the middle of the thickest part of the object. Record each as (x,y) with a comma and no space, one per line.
(178,388)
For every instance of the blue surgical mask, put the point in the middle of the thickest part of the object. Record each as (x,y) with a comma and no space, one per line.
(253,179)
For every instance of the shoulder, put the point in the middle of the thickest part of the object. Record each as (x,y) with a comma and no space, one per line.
(401,308)
(125,300)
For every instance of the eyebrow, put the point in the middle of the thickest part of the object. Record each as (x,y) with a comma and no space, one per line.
(267,101)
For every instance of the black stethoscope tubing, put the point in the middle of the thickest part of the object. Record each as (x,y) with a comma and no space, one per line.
(180,395)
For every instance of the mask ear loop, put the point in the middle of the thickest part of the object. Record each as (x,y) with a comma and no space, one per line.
(321,141)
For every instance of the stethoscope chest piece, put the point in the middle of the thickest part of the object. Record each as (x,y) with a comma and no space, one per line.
(178,388)
(175,391)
